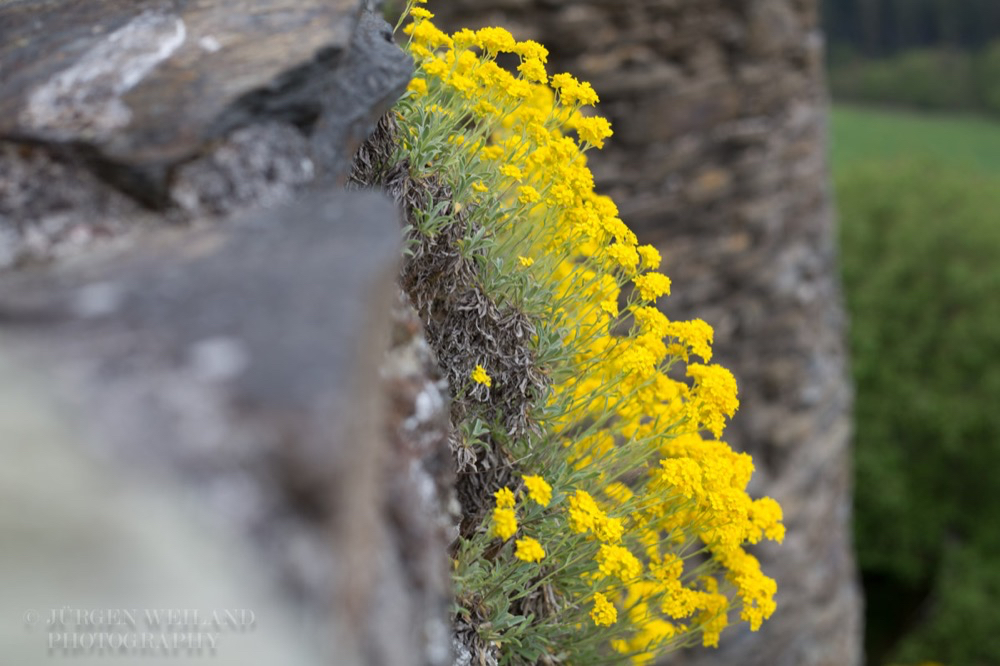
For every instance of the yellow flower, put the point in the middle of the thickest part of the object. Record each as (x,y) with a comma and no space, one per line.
(618,561)
(526,261)
(715,395)
(518,89)
(511,171)
(526,194)
(636,358)
(421,13)
(504,523)
(478,186)
(435,67)
(529,550)
(492,75)
(480,377)
(533,70)
(652,285)
(426,34)
(504,498)
(695,335)
(573,92)
(529,49)
(609,530)
(594,130)
(651,321)
(754,588)
(610,305)
(625,256)
(604,614)
(683,475)
(418,87)
(462,84)
(484,109)
(538,489)
(582,510)
(421,53)
(464,38)
(495,40)
(491,153)
(765,516)
(650,257)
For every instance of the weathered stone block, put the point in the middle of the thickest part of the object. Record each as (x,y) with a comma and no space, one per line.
(236,367)
(193,109)
(149,82)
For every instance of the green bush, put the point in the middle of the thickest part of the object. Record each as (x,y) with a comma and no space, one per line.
(921,265)
(988,78)
(929,79)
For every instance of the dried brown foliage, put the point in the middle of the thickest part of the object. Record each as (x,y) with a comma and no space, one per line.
(465,325)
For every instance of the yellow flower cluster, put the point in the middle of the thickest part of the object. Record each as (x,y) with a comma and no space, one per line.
(538,489)
(504,519)
(505,498)
(480,376)
(529,550)
(604,614)
(504,523)
(645,514)
(585,516)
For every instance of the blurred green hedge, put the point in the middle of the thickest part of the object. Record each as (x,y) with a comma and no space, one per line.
(920,250)
(929,79)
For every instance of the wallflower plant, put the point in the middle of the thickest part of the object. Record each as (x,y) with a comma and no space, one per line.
(620,534)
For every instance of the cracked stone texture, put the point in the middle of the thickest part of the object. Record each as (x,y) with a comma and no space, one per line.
(719,159)
(52,208)
(149,81)
(238,365)
(114,115)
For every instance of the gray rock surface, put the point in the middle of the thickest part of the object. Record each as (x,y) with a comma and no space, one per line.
(109,111)
(53,207)
(419,498)
(374,74)
(83,541)
(195,392)
(240,364)
(719,159)
(237,367)
(148,82)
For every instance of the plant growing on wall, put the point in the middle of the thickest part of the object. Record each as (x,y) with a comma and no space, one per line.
(604,519)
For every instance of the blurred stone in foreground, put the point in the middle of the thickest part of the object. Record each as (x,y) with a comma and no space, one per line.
(229,376)
(84,541)
(193,345)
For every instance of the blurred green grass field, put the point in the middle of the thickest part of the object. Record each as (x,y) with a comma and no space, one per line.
(861,135)
(919,205)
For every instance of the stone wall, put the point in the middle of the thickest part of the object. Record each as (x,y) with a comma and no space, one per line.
(719,159)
